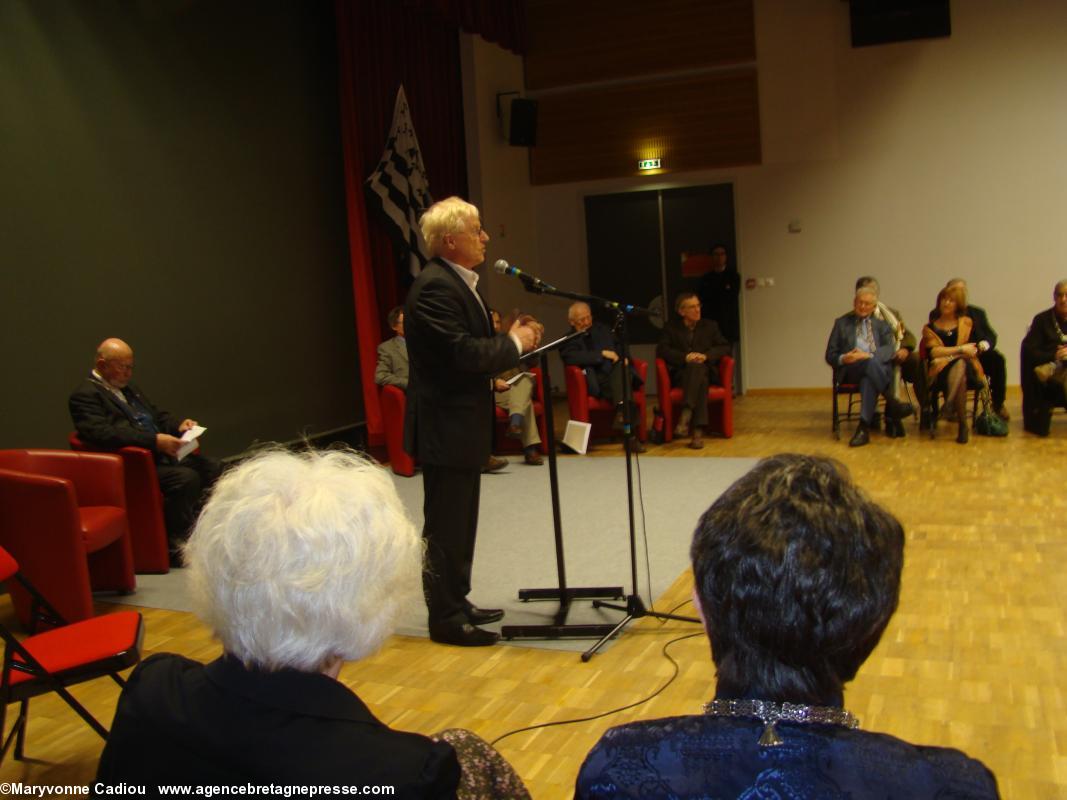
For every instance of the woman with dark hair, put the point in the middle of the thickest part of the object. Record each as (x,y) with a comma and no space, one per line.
(797,575)
(951,357)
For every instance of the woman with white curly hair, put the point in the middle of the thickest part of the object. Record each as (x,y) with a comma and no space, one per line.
(298,563)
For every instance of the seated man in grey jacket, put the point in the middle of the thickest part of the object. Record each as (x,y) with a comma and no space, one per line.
(861,350)
(392,367)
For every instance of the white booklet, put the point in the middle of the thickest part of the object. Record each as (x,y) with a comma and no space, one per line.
(189,441)
(511,381)
(576,436)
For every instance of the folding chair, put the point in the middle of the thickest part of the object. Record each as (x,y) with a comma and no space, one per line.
(60,657)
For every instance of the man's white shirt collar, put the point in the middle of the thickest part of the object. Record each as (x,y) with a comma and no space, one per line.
(103,382)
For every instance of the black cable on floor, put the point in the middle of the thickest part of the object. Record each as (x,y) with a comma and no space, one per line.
(658,691)
(644,536)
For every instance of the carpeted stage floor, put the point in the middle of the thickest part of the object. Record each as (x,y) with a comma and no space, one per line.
(515,538)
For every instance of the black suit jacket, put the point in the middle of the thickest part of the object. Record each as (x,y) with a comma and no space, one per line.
(585,352)
(181,722)
(452,352)
(1039,347)
(102,420)
(707,339)
(843,339)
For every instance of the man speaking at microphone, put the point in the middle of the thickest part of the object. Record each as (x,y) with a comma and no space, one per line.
(453,354)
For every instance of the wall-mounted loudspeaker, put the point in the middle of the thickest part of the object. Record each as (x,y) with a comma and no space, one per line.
(885,21)
(522,131)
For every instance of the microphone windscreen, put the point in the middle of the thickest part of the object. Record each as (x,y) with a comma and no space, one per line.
(501,267)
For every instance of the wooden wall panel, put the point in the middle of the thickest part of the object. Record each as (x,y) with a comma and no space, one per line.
(596,40)
(701,122)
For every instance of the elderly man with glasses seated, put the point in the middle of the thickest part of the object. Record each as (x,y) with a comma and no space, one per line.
(692,347)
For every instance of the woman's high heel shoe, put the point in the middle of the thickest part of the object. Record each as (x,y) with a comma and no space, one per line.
(964,434)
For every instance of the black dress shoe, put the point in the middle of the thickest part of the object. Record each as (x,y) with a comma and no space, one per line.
(903,410)
(483,616)
(860,437)
(463,635)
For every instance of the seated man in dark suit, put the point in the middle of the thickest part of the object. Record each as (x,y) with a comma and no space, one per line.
(861,349)
(991,359)
(692,347)
(1044,364)
(597,353)
(907,363)
(109,412)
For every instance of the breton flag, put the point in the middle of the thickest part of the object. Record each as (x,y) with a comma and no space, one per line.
(398,187)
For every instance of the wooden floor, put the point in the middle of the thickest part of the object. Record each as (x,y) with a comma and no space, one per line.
(976,657)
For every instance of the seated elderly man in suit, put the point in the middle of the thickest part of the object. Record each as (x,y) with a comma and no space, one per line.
(109,411)
(692,347)
(597,354)
(1044,364)
(906,361)
(392,366)
(861,350)
(299,563)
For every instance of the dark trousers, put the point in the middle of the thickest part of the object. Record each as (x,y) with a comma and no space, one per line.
(1038,401)
(185,486)
(913,370)
(450,508)
(606,381)
(873,377)
(694,380)
(996,371)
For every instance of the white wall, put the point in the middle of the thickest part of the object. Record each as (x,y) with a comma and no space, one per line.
(914,162)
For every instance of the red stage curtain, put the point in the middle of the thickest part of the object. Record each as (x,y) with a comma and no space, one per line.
(381,45)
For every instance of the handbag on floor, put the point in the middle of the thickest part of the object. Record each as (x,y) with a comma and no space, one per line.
(988,423)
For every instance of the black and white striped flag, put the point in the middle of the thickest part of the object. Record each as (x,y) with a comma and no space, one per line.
(398,186)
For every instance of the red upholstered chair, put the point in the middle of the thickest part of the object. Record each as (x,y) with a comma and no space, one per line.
(144,506)
(501,443)
(61,657)
(64,520)
(720,400)
(394,405)
(600,413)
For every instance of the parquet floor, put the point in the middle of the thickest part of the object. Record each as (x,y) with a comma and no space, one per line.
(976,657)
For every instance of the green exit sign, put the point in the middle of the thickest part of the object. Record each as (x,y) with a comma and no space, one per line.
(649,163)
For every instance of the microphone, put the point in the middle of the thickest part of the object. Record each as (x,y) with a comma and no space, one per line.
(636,311)
(502,267)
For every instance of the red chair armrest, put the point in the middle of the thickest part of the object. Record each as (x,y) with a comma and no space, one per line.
(726,373)
(98,478)
(577,394)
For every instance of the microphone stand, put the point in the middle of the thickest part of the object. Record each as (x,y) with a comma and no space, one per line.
(635,607)
(559,627)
